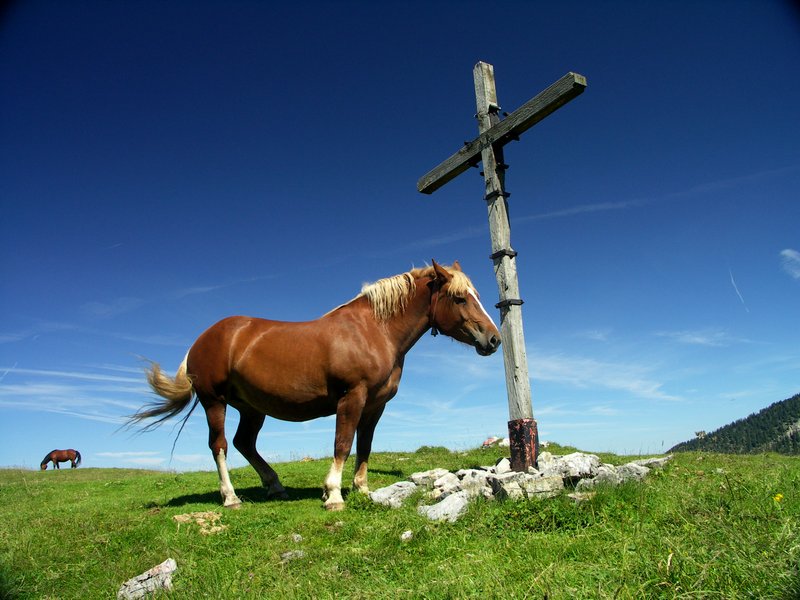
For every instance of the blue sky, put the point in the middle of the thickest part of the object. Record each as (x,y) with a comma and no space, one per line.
(167,164)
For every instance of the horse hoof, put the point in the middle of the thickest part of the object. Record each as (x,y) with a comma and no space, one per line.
(334,506)
(282,495)
(234,506)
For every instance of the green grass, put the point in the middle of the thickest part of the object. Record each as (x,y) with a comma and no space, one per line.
(708,526)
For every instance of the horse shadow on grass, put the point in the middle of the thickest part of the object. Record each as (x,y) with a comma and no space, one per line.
(254,495)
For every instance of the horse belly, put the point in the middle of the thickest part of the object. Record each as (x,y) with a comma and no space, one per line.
(287,402)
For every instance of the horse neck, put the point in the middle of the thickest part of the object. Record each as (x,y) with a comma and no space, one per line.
(407,327)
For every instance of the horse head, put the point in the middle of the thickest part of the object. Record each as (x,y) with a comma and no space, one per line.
(456,310)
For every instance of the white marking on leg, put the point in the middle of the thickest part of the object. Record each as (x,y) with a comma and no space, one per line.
(229,497)
(333,486)
(360,479)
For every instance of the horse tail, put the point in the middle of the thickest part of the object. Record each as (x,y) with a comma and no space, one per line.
(176,391)
(77,458)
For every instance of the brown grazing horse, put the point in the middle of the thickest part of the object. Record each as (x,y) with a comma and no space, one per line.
(348,363)
(59,456)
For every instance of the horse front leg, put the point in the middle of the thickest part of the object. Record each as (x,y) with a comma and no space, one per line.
(366,431)
(348,415)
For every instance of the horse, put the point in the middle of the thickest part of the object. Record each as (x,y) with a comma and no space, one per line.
(59,456)
(346,363)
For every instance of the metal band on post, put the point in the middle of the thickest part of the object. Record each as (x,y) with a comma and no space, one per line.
(509,302)
(504,252)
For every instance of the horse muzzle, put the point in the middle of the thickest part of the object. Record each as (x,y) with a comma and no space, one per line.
(487,344)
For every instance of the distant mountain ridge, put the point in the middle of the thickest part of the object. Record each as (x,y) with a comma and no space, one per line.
(773,429)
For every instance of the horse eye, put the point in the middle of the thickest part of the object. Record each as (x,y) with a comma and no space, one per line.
(459,300)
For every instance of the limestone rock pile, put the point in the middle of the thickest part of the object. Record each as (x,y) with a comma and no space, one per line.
(451,492)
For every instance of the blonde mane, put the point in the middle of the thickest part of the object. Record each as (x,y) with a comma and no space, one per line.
(390,296)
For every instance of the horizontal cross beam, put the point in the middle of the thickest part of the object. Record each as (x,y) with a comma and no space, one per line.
(526,116)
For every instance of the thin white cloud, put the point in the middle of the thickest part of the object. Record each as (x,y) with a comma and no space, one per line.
(595,335)
(588,372)
(35,331)
(75,375)
(736,289)
(85,395)
(107,310)
(129,454)
(715,338)
(790,260)
(148,462)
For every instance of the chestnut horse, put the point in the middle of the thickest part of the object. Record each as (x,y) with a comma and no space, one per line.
(59,456)
(348,363)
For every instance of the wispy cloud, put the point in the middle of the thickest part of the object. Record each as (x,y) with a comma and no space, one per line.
(583,209)
(790,260)
(87,395)
(584,372)
(736,289)
(52,373)
(595,335)
(130,454)
(34,331)
(114,308)
(703,337)
(612,205)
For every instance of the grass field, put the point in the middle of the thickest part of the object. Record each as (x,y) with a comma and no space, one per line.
(708,526)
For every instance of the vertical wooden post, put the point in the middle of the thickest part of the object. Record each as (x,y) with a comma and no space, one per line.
(488,148)
(522,426)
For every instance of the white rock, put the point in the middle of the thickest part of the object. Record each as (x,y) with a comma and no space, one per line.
(502,466)
(149,582)
(541,486)
(426,478)
(632,472)
(394,494)
(653,463)
(448,509)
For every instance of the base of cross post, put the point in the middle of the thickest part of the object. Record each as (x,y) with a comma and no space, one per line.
(523,439)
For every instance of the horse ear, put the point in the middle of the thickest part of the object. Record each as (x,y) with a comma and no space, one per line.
(441,273)
(456,265)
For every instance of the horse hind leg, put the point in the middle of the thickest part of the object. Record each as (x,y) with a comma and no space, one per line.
(250,423)
(215,415)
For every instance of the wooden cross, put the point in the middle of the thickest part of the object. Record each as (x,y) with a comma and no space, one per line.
(488,149)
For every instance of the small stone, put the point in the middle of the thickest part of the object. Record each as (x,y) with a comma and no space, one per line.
(448,509)
(149,582)
(537,486)
(426,478)
(394,494)
(407,535)
(292,555)
(580,497)
(446,485)
(632,472)
(653,463)
(502,466)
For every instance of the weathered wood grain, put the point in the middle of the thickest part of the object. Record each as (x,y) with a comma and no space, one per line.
(500,133)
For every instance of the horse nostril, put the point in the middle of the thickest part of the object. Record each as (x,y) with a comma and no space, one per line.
(494,341)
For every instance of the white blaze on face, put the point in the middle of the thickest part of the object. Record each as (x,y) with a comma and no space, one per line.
(475,296)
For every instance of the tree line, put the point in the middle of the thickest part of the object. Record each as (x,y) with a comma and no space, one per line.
(775,428)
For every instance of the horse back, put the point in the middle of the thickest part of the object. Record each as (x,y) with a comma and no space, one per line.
(260,351)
